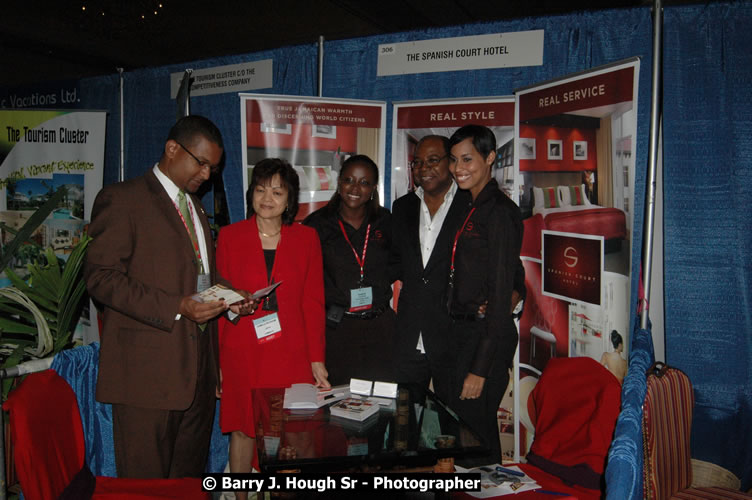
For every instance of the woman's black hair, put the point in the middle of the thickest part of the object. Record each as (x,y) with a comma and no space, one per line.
(616,339)
(483,138)
(263,172)
(372,207)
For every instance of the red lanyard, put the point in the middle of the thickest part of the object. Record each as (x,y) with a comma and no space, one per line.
(456,239)
(361,260)
(190,209)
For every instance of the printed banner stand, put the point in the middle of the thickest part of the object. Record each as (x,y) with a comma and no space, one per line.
(575,144)
(315,135)
(416,119)
(41,151)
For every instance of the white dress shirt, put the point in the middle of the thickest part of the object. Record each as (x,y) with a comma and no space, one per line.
(429,229)
(172,192)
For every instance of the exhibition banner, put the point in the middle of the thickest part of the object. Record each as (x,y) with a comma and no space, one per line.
(40,152)
(575,171)
(416,119)
(315,135)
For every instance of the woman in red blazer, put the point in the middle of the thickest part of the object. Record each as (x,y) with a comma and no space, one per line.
(282,343)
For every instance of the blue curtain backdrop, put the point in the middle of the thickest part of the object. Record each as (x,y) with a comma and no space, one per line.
(573,43)
(708,229)
(707,175)
(150,112)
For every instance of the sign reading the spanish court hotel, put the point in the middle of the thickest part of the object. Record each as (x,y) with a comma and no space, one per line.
(572,266)
(223,79)
(498,50)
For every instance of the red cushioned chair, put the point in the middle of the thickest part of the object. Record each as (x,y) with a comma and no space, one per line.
(575,406)
(45,427)
(666,425)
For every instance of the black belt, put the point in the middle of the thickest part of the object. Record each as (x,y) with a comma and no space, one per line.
(369,314)
(465,317)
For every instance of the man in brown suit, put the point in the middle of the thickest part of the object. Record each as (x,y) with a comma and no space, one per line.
(152,251)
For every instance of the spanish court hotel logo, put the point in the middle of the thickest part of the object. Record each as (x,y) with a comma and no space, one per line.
(572,266)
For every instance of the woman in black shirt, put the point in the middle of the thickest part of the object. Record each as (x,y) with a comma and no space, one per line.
(355,233)
(485,258)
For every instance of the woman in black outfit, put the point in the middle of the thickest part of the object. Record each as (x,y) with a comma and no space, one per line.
(485,258)
(355,233)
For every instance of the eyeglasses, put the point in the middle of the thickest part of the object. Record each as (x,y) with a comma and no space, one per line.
(430,163)
(213,169)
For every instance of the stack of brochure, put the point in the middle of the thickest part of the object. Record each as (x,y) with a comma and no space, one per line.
(354,408)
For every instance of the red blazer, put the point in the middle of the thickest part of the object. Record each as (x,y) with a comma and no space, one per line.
(245,362)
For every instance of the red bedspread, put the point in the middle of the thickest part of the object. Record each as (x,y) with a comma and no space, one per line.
(611,223)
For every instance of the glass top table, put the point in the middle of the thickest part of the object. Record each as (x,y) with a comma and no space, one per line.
(409,434)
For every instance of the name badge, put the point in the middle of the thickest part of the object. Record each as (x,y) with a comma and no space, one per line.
(361,299)
(203,282)
(267,328)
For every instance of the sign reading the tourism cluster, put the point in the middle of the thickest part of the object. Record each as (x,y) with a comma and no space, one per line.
(498,50)
(42,151)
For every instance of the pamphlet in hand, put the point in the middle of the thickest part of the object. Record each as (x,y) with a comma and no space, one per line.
(259,294)
(354,408)
(219,292)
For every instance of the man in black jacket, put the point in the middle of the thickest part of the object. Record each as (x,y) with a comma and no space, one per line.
(424,226)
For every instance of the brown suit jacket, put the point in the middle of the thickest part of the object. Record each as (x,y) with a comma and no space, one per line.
(138,267)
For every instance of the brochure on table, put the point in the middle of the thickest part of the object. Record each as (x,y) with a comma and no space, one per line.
(497,481)
(310,397)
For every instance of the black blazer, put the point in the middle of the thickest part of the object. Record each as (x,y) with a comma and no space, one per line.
(422,301)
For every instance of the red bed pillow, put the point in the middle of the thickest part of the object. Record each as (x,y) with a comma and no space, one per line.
(576,195)
(550,198)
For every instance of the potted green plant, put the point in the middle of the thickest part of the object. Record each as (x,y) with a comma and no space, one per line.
(39,314)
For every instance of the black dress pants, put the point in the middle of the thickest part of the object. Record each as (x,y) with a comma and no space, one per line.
(479,414)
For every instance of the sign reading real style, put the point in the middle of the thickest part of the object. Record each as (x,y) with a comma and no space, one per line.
(499,50)
(572,266)
(416,119)
(222,79)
